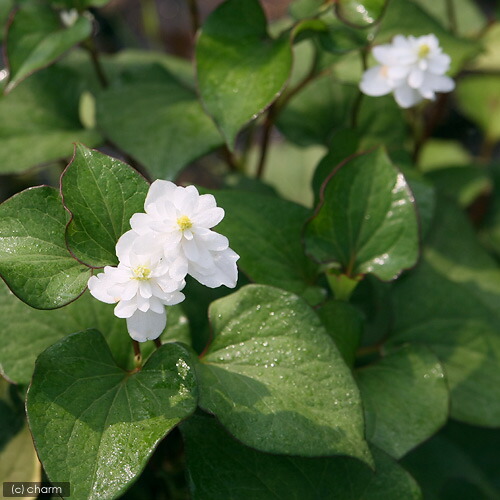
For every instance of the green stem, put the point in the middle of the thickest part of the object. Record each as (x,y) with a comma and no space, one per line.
(150,21)
(89,45)
(359,98)
(157,343)
(452,16)
(137,355)
(195,15)
(342,285)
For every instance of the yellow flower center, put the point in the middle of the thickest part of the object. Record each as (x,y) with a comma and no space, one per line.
(141,273)
(184,222)
(423,51)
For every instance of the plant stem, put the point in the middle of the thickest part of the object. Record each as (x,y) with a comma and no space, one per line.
(266,135)
(150,21)
(157,343)
(231,160)
(342,285)
(137,355)
(452,16)
(275,109)
(89,45)
(195,15)
(359,98)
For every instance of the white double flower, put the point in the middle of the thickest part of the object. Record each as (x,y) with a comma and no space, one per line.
(171,239)
(411,68)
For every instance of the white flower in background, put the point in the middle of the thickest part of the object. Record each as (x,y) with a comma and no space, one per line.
(178,223)
(68,17)
(141,286)
(411,68)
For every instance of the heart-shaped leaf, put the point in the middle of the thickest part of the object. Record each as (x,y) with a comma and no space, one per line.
(37,37)
(96,425)
(159,121)
(101,193)
(34,260)
(366,222)
(221,467)
(27,332)
(405,397)
(273,225)
(275,379)
(240,69)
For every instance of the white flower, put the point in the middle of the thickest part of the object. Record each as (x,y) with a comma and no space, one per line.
(141,286)
(178,223)
(411,68)
(68,17)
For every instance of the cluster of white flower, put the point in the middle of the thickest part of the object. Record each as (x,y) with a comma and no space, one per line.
(411,68)
(171,239)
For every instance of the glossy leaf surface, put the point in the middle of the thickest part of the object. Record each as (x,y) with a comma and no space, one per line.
(240,69)
(405,398)
(275,379)
(34,260)
(101,193)
(96,425)
(366,222)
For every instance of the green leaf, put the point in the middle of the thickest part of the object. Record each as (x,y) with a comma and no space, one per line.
(221,467)
(366,222)
(96,425)
(343,144)
(450,303)
(489,59)
(275,379)
(27,332)
(43,120)
(34,260)
(37,37)
(360,13)
(464,184)
(273,226)
(445,471)
(469,18)
(158,121)
(102,194)
(479,100)
(405,17)
(313,115)
(405,398)
(344,323)
(240,69)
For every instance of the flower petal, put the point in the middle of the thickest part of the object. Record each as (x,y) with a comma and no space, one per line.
(374,83)
(159,190)
(406,97)
(148,325)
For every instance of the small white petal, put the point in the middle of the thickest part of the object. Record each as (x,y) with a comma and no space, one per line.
(374,83)
(125,308)
(99,286)
(159,190)
(124,246)
(212,240)
(141,223)
(206,201)
(406,97)
(415,78)
(209,218)
(148,325)
(224,271)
